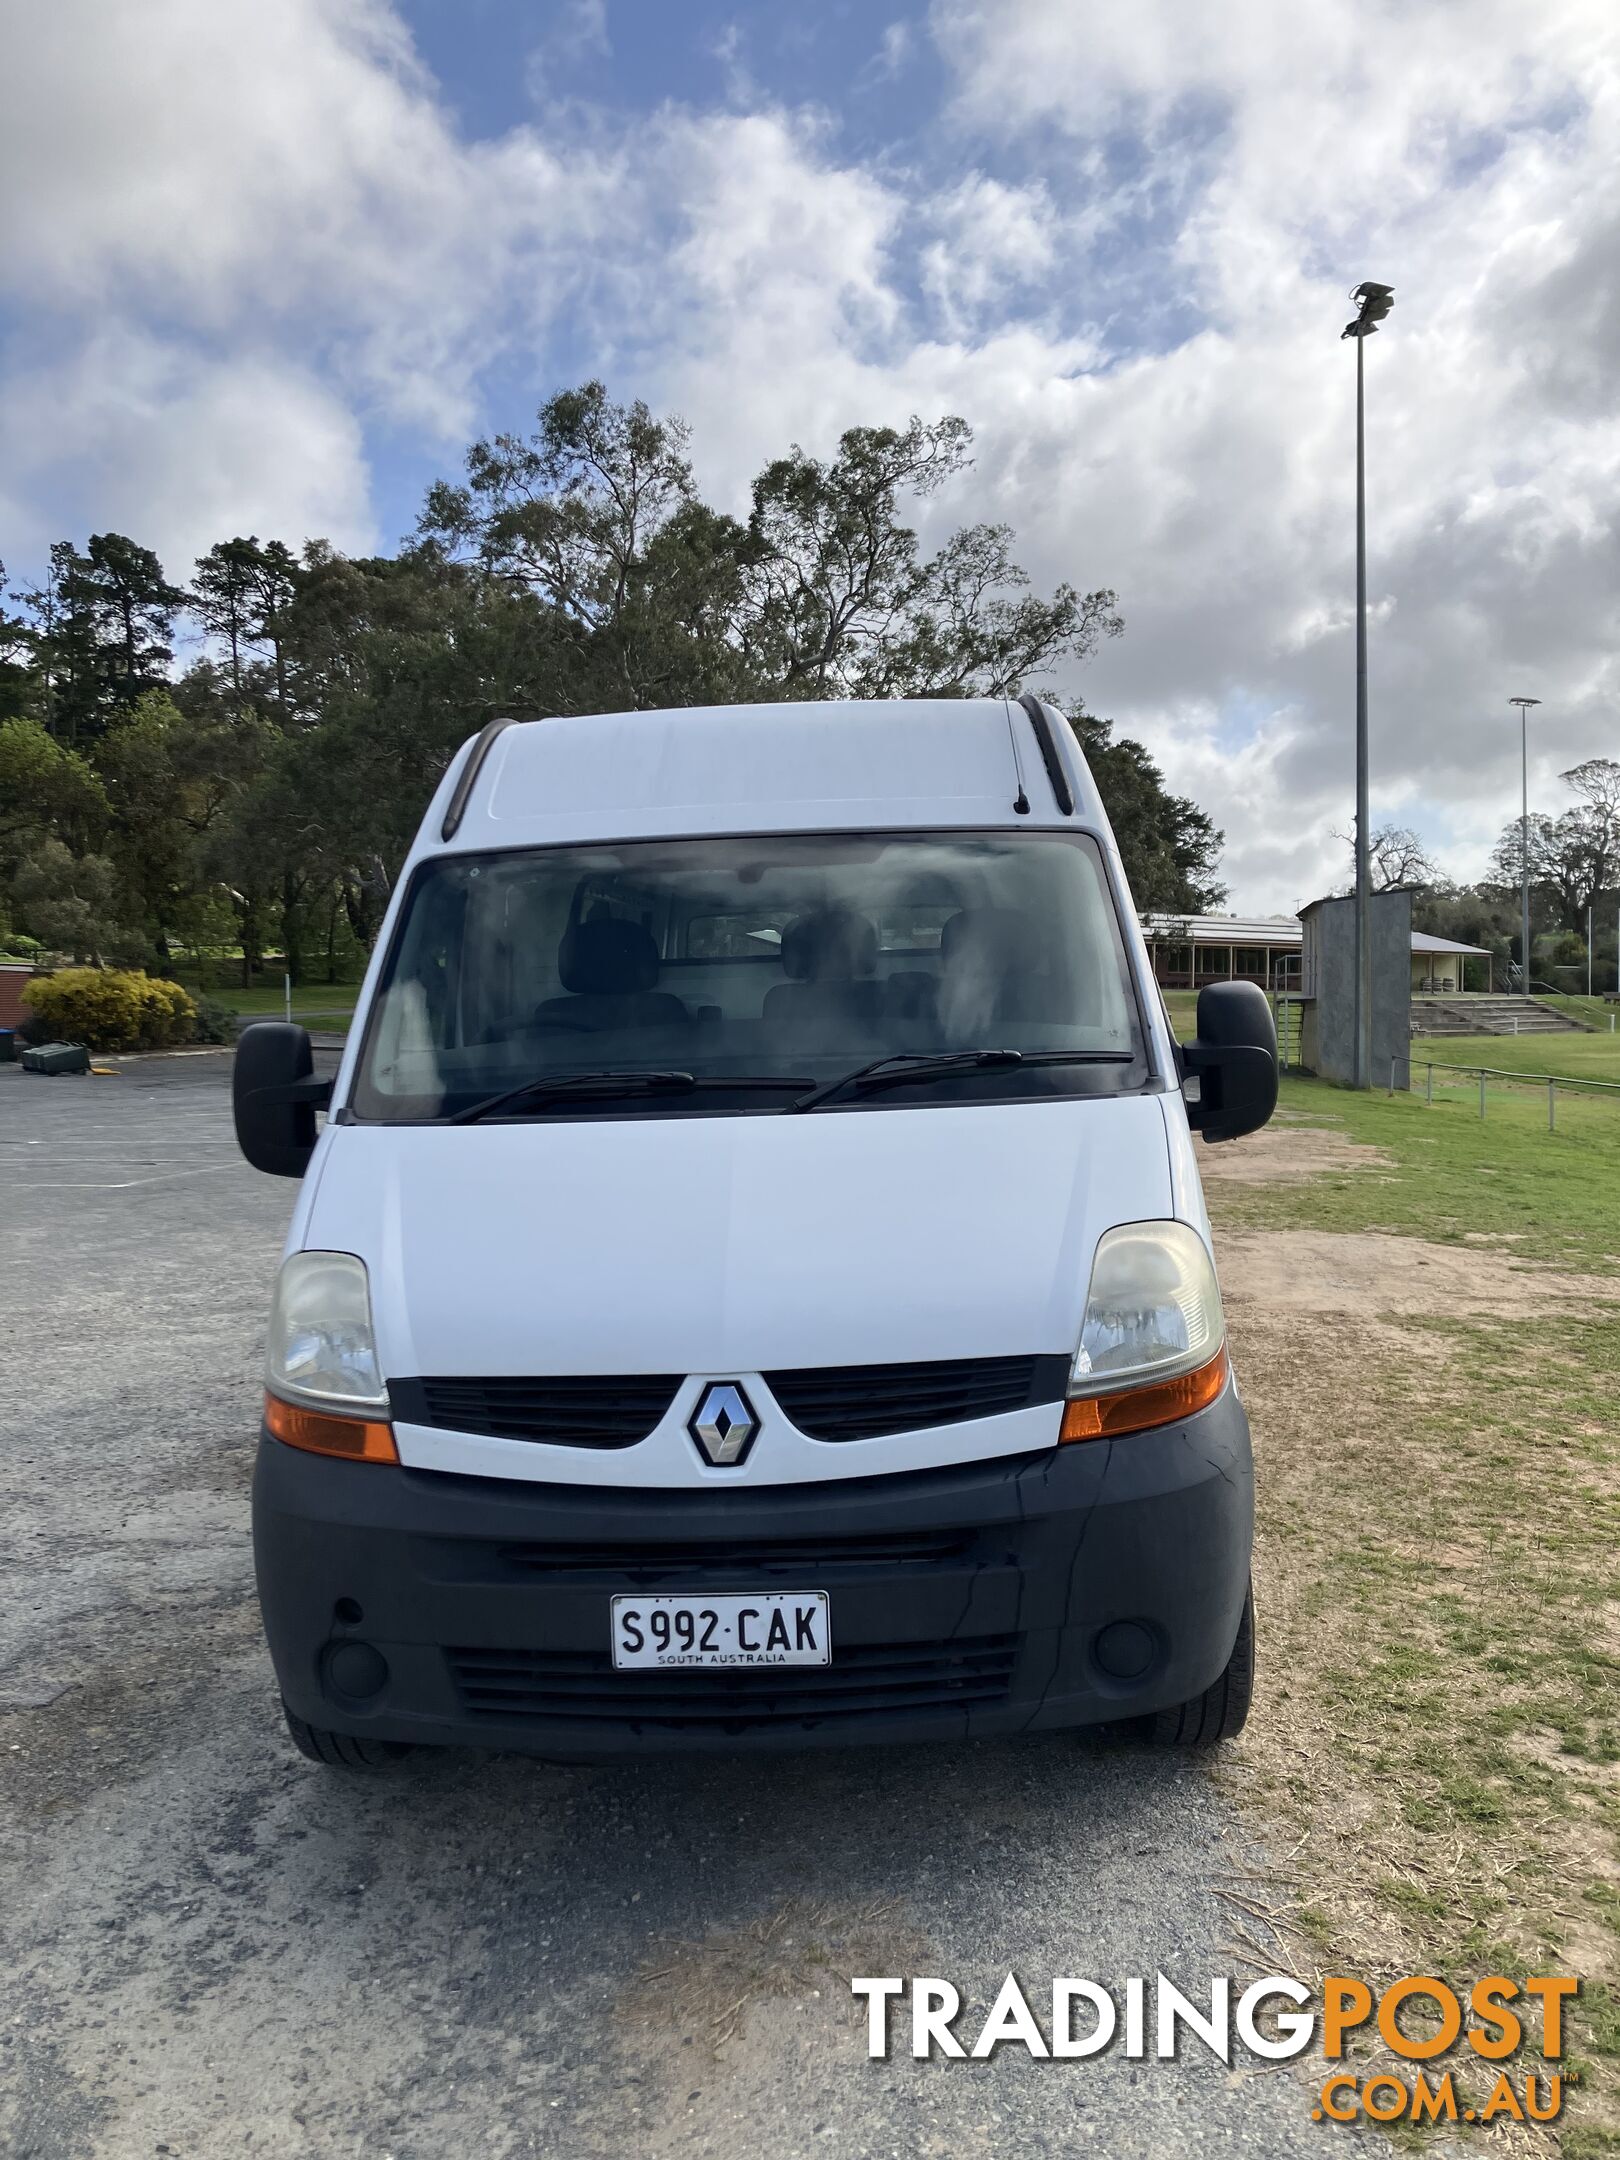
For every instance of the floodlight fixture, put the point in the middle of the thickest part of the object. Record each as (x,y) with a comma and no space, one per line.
(1373,303)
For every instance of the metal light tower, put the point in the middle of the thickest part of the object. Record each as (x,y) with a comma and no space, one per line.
(1524,704)
(1373,304)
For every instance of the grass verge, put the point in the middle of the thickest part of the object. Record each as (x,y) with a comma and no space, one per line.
(1437,1741)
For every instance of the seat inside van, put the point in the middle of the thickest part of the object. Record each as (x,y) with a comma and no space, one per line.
(610,970)
(830,961)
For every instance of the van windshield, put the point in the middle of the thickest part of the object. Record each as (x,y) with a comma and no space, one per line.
(745,961)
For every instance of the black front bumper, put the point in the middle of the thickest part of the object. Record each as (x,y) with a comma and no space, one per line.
(964,1602)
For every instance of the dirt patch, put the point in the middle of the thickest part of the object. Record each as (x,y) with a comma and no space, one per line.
(800,1948)
(1286,1152)
(703,2028)
(1370,1274)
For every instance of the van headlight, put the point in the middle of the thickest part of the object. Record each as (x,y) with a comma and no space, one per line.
(1153,1342)
(321,1349)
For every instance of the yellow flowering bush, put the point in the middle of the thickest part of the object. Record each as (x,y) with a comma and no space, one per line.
(112,1008)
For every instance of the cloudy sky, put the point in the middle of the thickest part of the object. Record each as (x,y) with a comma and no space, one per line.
(267,267)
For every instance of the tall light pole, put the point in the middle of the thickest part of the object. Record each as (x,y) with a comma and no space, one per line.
(1524,704)
(1373,304)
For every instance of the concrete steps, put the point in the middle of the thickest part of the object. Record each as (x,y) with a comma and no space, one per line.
(1431,1017)
(1481,1014)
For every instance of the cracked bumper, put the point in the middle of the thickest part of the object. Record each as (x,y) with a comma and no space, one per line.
(972,1601)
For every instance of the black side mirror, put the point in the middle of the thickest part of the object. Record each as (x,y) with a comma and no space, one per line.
(275,1095)
(1235,1058)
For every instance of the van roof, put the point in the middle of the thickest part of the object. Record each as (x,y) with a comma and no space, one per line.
(753,768)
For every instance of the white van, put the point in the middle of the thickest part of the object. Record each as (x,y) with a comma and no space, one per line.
(752,1287)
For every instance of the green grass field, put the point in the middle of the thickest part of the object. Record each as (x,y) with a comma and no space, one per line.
(1576,1057)
(331,1005)
(1182,1006)
(1583,1107)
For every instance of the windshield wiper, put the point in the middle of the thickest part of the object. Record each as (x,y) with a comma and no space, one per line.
(608,1084)
(892,1071)
(897,1070)
(580,1083)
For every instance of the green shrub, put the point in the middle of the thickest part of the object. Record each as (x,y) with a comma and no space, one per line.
(216,1022)
(167,1013)
(112,1008)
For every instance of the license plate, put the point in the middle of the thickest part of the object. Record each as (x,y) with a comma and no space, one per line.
(779,1627)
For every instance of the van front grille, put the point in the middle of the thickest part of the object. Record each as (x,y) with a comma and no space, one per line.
(825,1402)
(864,1402)
(611,1410)
(718,1561)
(868,1680)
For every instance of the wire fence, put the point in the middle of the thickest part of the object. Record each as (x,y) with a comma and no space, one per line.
(1565,1103)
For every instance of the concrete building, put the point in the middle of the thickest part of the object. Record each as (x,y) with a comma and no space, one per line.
(1327,1040)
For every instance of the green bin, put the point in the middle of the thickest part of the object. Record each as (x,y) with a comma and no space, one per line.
(57,1058)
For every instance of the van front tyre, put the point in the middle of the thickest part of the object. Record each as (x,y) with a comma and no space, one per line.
(341,1751)
(1222,1710)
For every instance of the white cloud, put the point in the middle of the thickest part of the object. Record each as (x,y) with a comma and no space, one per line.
(287,165)
(993,242)
(894,51)
(579,33)
(179,451)
(757,210)
(754,289)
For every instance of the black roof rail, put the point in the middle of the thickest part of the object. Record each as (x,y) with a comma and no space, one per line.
(1051,756)
(483,743)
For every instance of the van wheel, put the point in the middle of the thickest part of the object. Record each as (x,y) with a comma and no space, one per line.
(1221,1712)
(341,1751)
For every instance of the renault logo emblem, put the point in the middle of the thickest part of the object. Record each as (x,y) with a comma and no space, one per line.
(723,1424)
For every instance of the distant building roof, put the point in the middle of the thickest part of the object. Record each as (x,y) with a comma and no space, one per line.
(1422,942)
(1224,929)
(1276,930)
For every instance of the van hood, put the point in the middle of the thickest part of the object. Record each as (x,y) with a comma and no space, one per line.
(735,1244)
